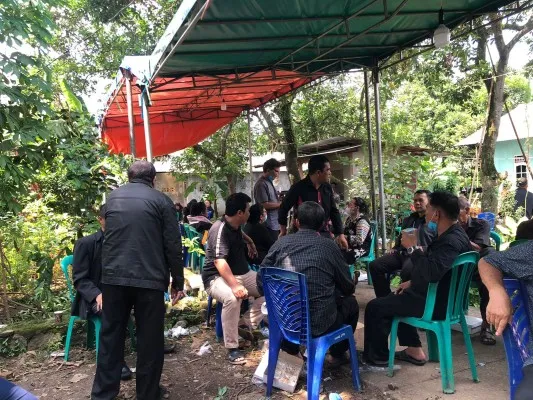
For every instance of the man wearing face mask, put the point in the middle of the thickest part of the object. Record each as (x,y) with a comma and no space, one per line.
(397,258)
(429,266)
(265,194)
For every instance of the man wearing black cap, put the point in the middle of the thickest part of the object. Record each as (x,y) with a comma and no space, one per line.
(524,198)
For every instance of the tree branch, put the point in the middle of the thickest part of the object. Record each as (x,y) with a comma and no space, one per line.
(524,31)
(496,27)
(224,143)
(272,127)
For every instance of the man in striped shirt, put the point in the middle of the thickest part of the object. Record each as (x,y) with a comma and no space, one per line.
(226,274)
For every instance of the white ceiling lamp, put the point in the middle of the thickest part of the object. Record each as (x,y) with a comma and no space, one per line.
(441,36)
(223,105)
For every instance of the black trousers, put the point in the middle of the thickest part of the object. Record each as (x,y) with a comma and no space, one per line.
(483,291)
(149,309)
(387,264)
(347,314)
(273,234)
(378,320)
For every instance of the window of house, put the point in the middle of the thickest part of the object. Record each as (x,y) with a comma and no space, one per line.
(521,171)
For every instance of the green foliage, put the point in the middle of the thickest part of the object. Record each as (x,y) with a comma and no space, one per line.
(193,245)
(10,347)
(105,31)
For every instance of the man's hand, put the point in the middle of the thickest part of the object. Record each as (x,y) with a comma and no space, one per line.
(409,240)
(475,247)
(176,295)
(252,251)
(99,302)
(403,286)
(240,292)
(342,242)
(282,230)
(499,310)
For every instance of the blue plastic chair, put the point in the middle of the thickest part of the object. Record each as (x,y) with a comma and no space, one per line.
(488,216)
(517,336)
(288,313)
(372,253)
(94,322)
(461,275)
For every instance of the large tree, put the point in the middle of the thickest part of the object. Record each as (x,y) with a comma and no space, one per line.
(521,24)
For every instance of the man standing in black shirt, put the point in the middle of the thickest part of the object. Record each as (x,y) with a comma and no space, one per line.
(315,187)
(524,198)
(226,274)
(429,266)
(478,232)
(141,249)
(397,259)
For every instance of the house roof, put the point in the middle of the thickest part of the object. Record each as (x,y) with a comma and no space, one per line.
(522,117)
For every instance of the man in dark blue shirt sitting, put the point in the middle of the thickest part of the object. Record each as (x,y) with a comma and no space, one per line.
(429,266)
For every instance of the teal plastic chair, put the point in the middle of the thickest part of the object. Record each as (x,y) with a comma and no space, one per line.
(439,331)
(94,322)
(497,240)
(372,253)
(196,261)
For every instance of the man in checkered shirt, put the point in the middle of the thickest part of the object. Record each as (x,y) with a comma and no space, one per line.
(329,285)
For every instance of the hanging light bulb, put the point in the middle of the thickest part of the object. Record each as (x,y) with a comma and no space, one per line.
(223,105)
(441,36)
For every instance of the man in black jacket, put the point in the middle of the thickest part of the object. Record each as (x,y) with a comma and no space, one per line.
(397,259)
(315,187)
(523,198)
(86,273)
(142,248)
(429,266)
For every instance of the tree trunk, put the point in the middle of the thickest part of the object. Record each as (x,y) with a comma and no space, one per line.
(489,175)
(232,183)
(284,112)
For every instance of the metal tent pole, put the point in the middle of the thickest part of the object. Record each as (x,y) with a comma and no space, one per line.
(380,161)
(370,149)
(250,157)
(131,120)
(146,119)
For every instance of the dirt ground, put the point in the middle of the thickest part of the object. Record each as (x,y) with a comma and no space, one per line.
(186,375)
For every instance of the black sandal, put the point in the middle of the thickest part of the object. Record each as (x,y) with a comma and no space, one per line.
(236,357)
(487,337)
(403,356)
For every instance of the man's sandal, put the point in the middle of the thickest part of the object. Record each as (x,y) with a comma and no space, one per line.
(236,357)
(487,337)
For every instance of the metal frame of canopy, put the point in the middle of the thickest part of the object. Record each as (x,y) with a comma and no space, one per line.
(247,54)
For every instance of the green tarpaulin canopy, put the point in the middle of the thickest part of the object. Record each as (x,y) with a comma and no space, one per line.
(218,58)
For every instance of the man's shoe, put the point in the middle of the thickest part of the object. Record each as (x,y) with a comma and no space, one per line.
(125,374)
(169,348)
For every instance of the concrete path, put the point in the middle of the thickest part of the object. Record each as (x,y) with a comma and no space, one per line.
(424,383)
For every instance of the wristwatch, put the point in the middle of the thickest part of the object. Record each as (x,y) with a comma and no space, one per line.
(410,250)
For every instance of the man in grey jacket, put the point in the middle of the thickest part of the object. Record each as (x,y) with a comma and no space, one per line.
(141,250)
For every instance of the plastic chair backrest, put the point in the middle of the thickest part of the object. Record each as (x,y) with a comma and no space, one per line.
(193,232)
(287,303)
(66,262)
(497,239)
(488,216)
(517,335)
(461,275)
(374,231)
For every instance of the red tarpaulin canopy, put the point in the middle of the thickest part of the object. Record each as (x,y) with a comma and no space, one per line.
(185,111)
